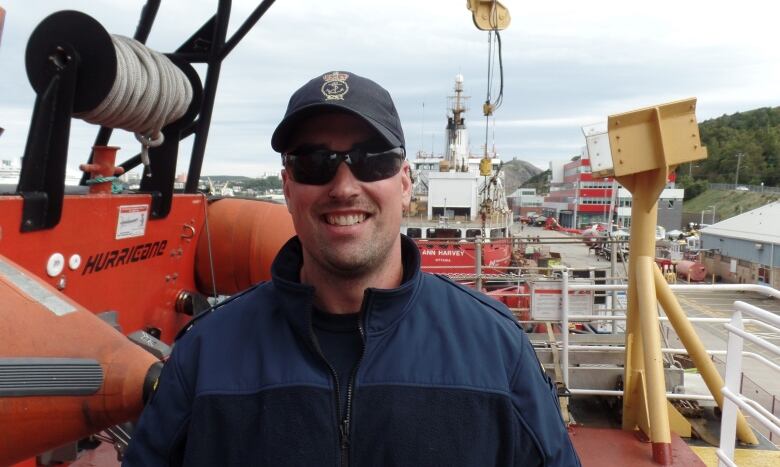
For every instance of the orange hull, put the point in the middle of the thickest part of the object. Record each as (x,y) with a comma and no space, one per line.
(106,255)
(42,332)
(245,237)
(139,277)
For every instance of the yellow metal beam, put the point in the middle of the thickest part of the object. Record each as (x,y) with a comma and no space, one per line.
(489,15)
(645,403)
(644,145)
(697,352)
(678,423)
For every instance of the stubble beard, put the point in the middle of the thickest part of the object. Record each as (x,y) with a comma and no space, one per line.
(354,261)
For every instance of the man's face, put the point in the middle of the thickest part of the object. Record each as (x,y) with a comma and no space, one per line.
(347,227)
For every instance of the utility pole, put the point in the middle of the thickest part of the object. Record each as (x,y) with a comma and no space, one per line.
(736,180)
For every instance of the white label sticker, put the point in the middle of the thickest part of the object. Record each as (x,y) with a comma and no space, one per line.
(132,221)
(546,303)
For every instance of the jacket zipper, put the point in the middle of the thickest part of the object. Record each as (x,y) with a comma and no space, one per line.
(343,426)
(350,391)
(333,375)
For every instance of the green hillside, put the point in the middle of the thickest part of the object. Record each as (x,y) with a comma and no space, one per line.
(749,139)
(729,203)
(540,181)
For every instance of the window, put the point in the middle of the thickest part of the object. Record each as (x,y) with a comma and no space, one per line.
(586,200)
(596,185)
(670,204)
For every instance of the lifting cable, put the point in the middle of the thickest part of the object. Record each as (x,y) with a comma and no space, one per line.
(494,57)
(148,93)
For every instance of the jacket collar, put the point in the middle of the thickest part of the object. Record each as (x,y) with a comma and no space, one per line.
(382,308)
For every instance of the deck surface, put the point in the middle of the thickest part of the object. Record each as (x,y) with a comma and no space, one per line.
(598,447)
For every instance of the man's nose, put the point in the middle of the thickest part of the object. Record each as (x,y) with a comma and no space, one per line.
(344,183)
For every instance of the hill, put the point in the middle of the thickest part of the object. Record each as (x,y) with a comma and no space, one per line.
(754,134)
(728,203)
(540,181)
(516,173)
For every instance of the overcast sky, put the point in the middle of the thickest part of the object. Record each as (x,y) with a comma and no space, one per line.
(567,64)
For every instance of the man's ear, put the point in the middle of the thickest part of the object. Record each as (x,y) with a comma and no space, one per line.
(406,184)
(286,189)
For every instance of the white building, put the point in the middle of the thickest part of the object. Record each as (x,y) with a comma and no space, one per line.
(741,249)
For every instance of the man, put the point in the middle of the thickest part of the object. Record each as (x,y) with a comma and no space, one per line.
(351,355)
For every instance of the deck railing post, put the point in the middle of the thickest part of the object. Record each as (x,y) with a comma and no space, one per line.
(728,431)
(565,323)
(478,260)
(774,401)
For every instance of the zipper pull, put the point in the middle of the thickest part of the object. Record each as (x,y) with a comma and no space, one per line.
(344,428)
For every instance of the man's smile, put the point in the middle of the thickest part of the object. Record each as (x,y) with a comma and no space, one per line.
(345,219)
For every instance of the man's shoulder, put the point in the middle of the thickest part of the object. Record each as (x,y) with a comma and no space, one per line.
(227,313)
(441,286)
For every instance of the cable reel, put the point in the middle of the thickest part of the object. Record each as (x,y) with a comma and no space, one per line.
(121,83)
(73,66)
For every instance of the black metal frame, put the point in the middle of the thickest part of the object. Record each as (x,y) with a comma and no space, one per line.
(43,168)
(42,178)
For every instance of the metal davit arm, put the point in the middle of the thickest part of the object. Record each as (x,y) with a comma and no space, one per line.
(644,145)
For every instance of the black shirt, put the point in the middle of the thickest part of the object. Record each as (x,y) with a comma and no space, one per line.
(339,338)
(341,344)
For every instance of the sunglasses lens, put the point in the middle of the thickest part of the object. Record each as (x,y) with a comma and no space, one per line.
(372,167)
(318,166)
(313,167)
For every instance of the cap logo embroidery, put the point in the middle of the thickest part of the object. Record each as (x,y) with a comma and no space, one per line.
(335,86)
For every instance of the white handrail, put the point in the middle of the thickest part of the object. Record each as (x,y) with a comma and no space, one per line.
(736,326)
(732,399)
(762,289)
(619,393)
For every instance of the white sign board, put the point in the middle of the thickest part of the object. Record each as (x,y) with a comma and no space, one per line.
(546,303)
(599,153)
(132,221)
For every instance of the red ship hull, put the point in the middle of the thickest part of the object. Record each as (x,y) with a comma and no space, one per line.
(443,257)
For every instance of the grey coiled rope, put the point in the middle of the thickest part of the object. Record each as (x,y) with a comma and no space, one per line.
(148,93)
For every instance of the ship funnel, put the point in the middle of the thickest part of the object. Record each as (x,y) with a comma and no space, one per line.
(64,373)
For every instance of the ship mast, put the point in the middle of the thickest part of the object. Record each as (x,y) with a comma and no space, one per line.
(457,142)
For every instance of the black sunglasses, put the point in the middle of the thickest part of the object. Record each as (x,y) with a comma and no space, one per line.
(317,165)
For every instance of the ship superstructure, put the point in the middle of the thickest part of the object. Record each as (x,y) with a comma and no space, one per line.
(451,192)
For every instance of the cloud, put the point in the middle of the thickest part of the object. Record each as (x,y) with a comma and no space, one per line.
(566,64)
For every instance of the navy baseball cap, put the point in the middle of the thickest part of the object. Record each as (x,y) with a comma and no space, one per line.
(341,91)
